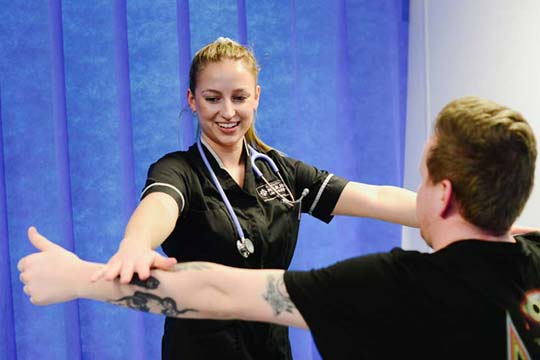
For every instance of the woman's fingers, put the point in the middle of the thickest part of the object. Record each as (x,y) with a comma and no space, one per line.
(164,263)
(142,268)
(113,270)
(127,267)
(126,273)
(98,274)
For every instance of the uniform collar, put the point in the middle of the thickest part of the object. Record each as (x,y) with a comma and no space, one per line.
(213,153)
(218,160)
(249,176)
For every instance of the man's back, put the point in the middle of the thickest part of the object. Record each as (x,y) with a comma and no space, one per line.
(472,299)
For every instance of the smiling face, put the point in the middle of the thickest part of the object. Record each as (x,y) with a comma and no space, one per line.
(225,98)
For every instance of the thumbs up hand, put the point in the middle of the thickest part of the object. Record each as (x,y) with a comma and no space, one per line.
(51,274)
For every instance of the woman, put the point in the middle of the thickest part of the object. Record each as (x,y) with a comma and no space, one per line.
(183,210)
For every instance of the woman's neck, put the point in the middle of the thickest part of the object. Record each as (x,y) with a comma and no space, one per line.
(230,156)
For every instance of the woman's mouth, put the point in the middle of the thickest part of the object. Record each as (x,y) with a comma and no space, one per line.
(228,125)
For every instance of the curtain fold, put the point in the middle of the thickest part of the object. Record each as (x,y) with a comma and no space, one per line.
(92,93)
(7,332)
(59,118)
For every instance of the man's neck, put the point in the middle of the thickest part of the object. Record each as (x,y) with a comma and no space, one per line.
(462,230)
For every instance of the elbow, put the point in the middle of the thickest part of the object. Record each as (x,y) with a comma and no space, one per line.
(225,313)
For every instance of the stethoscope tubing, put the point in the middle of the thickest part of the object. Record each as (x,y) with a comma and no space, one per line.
(244,245)
(228,205)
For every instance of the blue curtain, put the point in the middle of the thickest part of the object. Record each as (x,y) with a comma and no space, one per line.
(91,94)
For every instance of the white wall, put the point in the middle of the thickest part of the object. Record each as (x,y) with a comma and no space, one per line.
(489,48)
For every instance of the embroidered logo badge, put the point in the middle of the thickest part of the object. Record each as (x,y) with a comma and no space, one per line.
(268,193)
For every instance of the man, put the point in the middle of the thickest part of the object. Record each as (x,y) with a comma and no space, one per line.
(476,296)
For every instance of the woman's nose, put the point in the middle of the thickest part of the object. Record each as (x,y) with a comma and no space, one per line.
(227,110)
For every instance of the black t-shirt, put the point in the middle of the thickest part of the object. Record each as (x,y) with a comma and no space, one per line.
(471,300)
(205,232)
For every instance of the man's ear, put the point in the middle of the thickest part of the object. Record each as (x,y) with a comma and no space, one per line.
(446,199)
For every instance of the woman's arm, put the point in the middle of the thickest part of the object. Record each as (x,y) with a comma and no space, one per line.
(388,203)
(150,224)
(153,220)
(190,290)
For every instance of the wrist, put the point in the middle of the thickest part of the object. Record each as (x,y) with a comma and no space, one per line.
(135,242)
(84,288)
(102,290)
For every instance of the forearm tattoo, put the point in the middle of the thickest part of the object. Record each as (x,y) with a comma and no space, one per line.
(151,303)
(151,283)
(275,296)
(148,302)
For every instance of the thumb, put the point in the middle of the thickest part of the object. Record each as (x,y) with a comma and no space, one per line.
(39,241)
(164,263)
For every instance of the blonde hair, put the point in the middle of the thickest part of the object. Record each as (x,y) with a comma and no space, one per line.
(225,48)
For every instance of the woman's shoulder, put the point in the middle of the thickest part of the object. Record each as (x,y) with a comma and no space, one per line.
(274,154)
(174,156)
(282,157)
(180,155)
(175,159)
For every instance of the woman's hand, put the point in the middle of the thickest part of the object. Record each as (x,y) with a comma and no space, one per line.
(150,224)
(131,258)
(49,276)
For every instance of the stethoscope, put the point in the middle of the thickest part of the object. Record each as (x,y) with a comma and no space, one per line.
(244,245)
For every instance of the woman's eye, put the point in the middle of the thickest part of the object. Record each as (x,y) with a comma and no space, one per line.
(212,99)
(240,98)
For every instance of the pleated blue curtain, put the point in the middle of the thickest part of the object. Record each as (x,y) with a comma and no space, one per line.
(92,92)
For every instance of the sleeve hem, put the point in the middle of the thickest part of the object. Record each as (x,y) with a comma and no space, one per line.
(167,189)
(327,197)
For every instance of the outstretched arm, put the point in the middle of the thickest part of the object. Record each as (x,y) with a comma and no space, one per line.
(517,230)
(191,290)
(388,203)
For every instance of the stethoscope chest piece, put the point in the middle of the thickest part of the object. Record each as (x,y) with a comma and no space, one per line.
(245,247)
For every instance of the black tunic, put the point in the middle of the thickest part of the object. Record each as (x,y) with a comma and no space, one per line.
(205,232)
(471,300)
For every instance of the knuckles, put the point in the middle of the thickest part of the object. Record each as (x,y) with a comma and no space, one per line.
(23,278)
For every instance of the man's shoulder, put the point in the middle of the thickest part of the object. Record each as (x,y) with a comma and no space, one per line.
(395,264)
(532,238)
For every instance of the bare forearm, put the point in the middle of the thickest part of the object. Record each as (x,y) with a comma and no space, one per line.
(518,229)
(201,290)
(190,290)
(185,292)
(399,205)
(387,203)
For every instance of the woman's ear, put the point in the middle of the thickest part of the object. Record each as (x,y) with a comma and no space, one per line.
(191,101)
(257,96)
